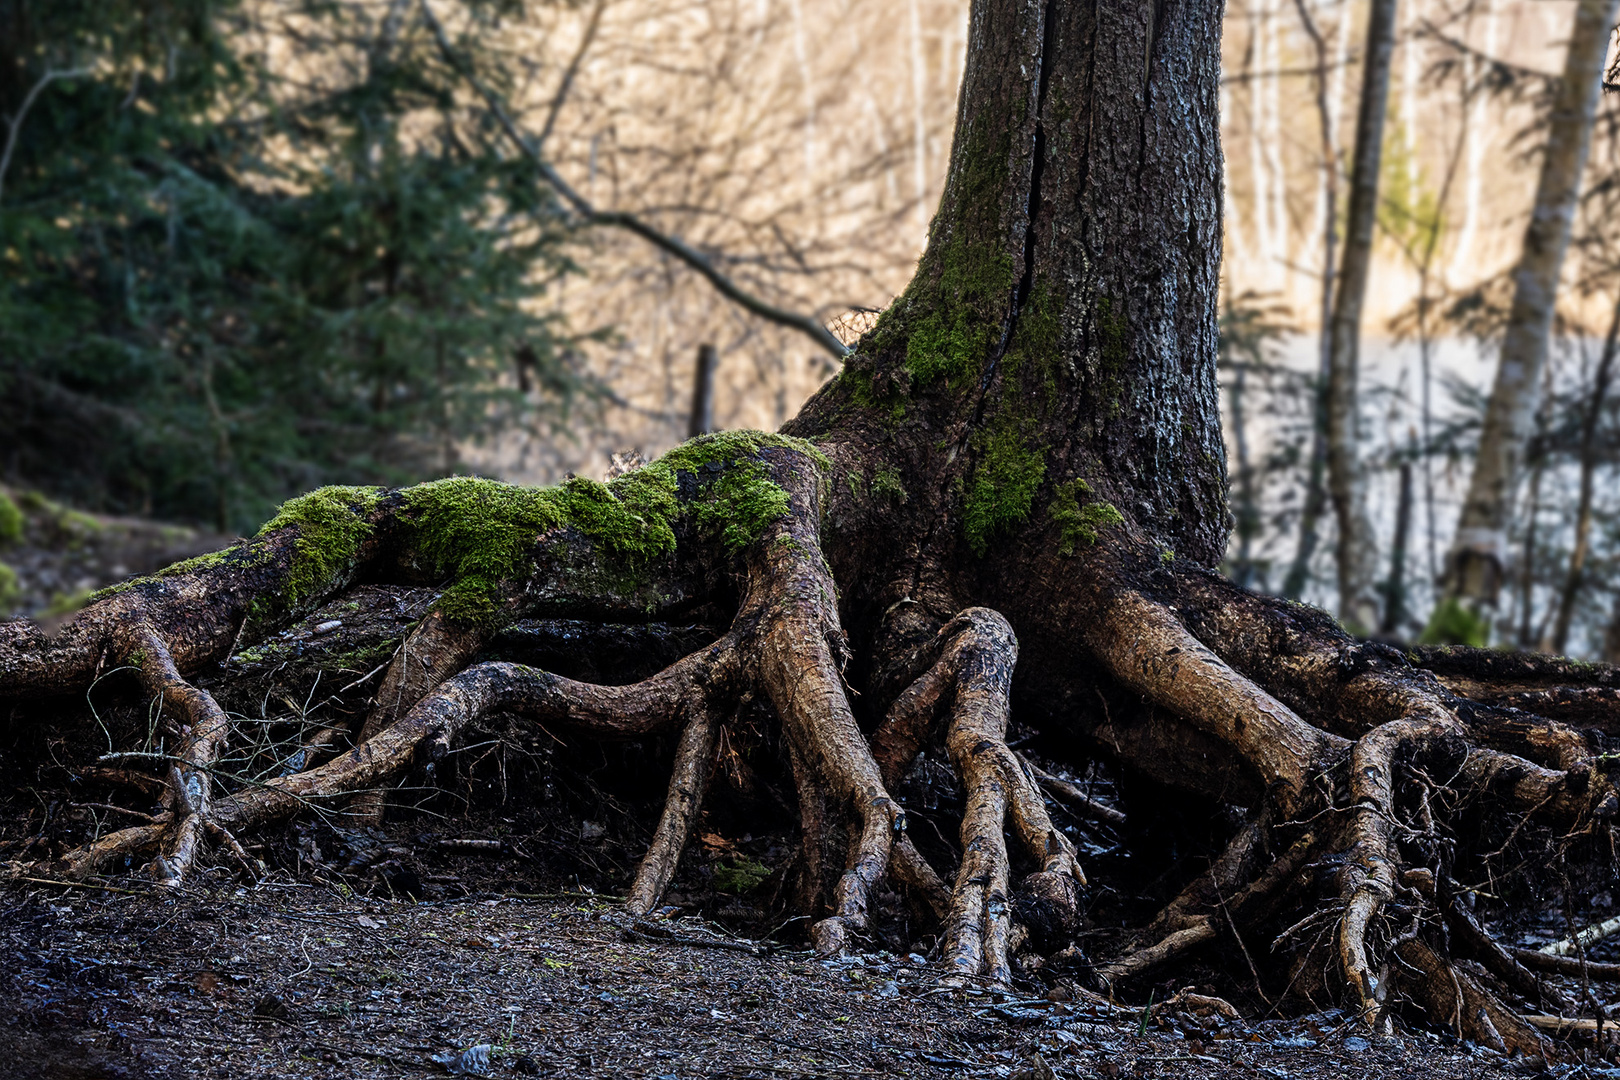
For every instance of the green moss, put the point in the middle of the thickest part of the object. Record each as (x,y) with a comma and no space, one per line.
(473,534)
(742,504)
(1167,555)
(886,485)
(1452,623)
(1034,346)
(1005,479)
(1081,522)
(477,533)
(958,332)
(11,520)
(333,523)
(10,589)
(863,393)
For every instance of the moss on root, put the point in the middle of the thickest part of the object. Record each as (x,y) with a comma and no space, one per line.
(333,523)
(478,533)
(1080,522)
(473,534)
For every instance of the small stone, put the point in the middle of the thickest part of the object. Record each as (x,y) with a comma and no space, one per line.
(591,831)
(1355,1044)
(327,627)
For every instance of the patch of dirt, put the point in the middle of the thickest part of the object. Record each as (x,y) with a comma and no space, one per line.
(290,980)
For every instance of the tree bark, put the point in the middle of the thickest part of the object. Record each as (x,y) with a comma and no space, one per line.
(1346,481)
(1477,562)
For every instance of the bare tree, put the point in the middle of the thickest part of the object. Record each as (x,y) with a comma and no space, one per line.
(1477,560)
(1357,550)
(1327,124)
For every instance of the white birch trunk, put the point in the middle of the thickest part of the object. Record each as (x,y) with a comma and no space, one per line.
(1478,558)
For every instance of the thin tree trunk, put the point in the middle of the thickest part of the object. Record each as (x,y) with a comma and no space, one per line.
(1358,607)
(1583,510)
(1395,590)
(1299,574)
(1473,119)
(1255,61)
(702,418)
(1527,577)
(1476,563)
(1245,509)
(1272,141)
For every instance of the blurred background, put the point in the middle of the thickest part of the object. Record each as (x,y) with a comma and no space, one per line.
(255,246)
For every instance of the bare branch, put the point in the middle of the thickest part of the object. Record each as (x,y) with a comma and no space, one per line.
(560,98)
(14,123)
(672,245)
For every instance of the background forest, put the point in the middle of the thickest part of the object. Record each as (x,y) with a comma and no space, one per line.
(254,247)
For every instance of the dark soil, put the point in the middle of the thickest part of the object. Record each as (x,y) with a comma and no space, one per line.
(287,979)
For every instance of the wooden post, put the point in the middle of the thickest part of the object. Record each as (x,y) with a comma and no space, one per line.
(702,420)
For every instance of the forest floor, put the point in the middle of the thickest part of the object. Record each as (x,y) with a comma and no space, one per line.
(286,979)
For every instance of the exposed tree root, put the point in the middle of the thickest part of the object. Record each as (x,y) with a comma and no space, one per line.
(1353,764)
(688,780)
(1453,996)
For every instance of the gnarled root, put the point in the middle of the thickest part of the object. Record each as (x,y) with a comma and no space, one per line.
(688,780)
(1352,787)
(968,685)
(1452,996)
(200,727)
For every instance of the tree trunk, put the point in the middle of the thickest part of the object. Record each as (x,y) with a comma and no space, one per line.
(701,421)
(1316,491)
(1583,509)
(1395,590)
(1477,561)
(1346,481)
(1009,503)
